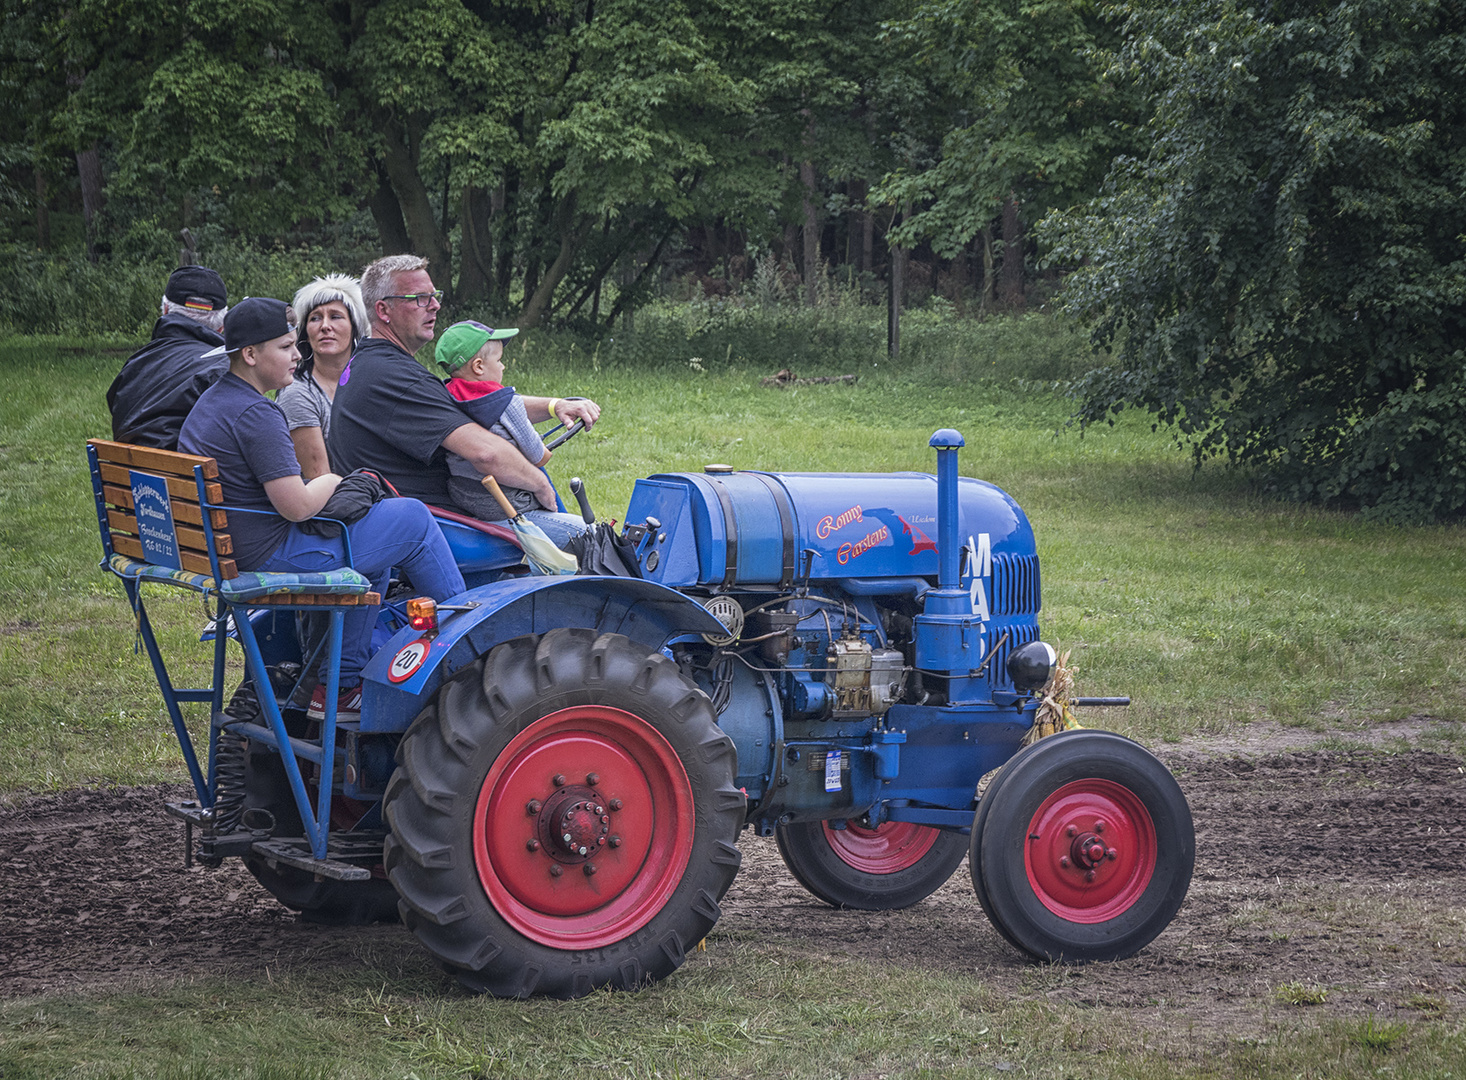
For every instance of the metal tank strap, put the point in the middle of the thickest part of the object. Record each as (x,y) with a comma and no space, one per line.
(786,522)
(730,526)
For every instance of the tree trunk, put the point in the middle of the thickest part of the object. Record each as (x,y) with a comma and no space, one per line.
(811,235)
(628,290)
(1010,288)
(476,259)
(897,295)
(387,213)
(504,209)
(43,213)
(859,257)
(400,161)
(570,236)
(592,291)
(93,196)
(986,287)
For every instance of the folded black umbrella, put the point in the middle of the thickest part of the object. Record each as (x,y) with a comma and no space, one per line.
(600,551)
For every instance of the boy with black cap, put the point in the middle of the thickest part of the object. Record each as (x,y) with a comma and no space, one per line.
(160,382)
(247,434)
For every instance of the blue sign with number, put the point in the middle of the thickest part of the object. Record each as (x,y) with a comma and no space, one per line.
(155,519)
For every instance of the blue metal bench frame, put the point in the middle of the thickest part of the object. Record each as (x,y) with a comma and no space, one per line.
(235,596)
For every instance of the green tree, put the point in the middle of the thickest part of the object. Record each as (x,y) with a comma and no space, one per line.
(1027,120)
(1282,277)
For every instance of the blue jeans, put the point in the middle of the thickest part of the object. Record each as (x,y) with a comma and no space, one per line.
(395,533)
(558,527)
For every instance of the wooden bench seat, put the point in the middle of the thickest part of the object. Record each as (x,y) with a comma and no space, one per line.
(176,543)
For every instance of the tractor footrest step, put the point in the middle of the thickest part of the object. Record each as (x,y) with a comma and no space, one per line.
(297,853)
(190,812)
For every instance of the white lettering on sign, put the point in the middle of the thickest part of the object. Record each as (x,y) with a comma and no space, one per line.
(980,566)
(407,661)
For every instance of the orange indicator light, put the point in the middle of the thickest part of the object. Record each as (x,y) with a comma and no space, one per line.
(422,613)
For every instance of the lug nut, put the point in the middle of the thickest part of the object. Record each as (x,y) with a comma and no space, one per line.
(532,844)
(614,841)
(1071,831)
(1111,854)
(555,870)
(533,807)
(1063,860)
(1099,826)
(615,804)
(1089,876)
(558,780)
(592,778)
(581,850)
(600,810)
(590,869)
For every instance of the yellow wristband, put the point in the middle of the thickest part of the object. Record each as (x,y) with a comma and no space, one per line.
(553,402)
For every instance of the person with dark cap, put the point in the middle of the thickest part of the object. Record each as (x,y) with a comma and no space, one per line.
(160,382)
(248,436)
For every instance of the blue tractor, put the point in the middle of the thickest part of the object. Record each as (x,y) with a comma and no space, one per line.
(550,773)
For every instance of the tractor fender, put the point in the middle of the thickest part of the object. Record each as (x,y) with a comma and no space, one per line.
(401,678)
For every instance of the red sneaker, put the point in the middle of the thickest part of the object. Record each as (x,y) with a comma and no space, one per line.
(348,703)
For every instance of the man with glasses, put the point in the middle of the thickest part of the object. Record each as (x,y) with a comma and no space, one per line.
(391,415)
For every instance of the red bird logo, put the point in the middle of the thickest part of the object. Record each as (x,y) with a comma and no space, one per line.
(920,541)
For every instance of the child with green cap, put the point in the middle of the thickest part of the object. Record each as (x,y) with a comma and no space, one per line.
(472,354)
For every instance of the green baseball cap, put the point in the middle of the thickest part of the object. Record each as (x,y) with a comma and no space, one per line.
(461,342)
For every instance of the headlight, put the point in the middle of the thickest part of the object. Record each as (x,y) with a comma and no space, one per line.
(1032,665)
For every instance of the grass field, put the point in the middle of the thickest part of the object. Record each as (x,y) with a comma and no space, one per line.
(1213,607)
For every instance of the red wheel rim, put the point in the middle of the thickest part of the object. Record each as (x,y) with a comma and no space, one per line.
(886,849)
(621,865)
(1090,851)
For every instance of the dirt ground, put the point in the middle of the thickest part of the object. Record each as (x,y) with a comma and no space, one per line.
(1339,868)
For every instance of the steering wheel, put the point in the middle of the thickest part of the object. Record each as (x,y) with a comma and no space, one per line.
(553,441)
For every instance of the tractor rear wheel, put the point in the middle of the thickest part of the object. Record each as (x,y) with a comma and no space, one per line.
(564,818)
(1082,848)
(892,866)
(330,903)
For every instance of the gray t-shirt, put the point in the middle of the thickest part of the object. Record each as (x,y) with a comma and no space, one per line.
(305,404)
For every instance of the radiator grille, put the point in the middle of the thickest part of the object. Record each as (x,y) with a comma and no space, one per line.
(1017,635)
(1015,585)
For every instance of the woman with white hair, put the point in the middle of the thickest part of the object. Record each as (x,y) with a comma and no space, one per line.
(329,318)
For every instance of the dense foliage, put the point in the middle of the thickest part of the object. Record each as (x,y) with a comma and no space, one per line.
(1283,275)
(1258,210)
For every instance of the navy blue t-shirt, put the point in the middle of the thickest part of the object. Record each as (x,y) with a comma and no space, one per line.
(390,415)
(247,434)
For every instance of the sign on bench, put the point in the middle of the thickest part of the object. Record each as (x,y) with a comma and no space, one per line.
(155,519)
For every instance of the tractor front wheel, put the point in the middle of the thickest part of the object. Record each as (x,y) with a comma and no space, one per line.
(892,866)
(1082,848)
(564,818)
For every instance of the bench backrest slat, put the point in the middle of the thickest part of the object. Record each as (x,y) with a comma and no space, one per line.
(114,464)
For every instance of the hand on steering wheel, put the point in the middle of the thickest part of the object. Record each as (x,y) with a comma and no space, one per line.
(553,441)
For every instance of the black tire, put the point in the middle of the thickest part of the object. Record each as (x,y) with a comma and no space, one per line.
(1082,848)
(265,787)
(572,734)
(886,868)
(329,903)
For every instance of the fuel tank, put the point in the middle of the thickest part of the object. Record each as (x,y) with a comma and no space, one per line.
(725,529)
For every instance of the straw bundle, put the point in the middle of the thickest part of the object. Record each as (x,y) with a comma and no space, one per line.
(1055,714)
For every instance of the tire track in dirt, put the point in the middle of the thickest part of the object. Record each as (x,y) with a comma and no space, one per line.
(1346,869)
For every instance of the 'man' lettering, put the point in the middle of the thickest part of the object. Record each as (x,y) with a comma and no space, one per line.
(980,564)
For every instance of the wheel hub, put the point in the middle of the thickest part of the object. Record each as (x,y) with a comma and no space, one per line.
(573,824)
